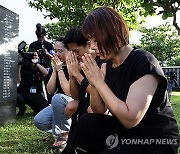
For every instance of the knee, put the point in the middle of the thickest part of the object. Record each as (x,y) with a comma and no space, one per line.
(43,120)
(56,99)
(40,123)
(89,109)
(37,121)
(72,106)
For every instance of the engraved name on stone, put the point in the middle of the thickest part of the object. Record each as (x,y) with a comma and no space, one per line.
(6,75)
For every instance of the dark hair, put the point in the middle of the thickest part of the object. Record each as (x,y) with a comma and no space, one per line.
(40,33)
(60,39)
(108,28)
(40,30)
(74,35)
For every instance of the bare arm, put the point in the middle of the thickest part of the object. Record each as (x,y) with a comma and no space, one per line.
(139,97)
(48,54)
(140,94)
(51,85)
(74,88)
(58,72)
(64,82)
(96,102)
(42,69)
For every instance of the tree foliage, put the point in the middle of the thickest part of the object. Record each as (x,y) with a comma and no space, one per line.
(162,41)
(175,61)
(168,8)
(71,13)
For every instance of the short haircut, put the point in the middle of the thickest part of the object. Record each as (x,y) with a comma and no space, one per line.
(108,28)
(74,35)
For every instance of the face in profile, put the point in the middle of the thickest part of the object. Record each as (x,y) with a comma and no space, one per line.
(94,48)
(79,50)
(60,51)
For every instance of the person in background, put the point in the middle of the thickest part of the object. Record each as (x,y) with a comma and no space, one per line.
(131,86)
(44,49)
(29,91)
(62,106)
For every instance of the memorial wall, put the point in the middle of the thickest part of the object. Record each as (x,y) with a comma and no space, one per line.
(9,29)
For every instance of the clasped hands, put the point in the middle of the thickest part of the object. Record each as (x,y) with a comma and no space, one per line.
(94,74)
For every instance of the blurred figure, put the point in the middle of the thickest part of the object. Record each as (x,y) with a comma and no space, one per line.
(44,49)
(29,91)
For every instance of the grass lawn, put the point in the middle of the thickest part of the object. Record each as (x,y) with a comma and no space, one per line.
(22,137)
(175,101)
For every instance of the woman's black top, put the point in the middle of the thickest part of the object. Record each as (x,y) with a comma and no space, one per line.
(159,121)
(58,86)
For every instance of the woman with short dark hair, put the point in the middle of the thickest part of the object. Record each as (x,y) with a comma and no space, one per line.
(131,86)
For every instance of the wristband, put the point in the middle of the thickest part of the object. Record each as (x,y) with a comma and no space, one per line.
(84,81)
(60,69)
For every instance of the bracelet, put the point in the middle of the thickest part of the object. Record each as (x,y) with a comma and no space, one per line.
(60,69)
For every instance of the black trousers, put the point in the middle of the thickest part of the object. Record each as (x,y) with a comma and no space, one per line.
(35,101)
(101,134)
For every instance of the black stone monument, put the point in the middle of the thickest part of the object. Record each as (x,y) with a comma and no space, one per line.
(9,29)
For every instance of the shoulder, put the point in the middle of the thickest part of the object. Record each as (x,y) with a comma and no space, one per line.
(140,56)
(33,44)
(144,62)
(47,43)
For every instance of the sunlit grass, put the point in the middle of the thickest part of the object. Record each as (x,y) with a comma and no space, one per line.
(175,101)
(22,137)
